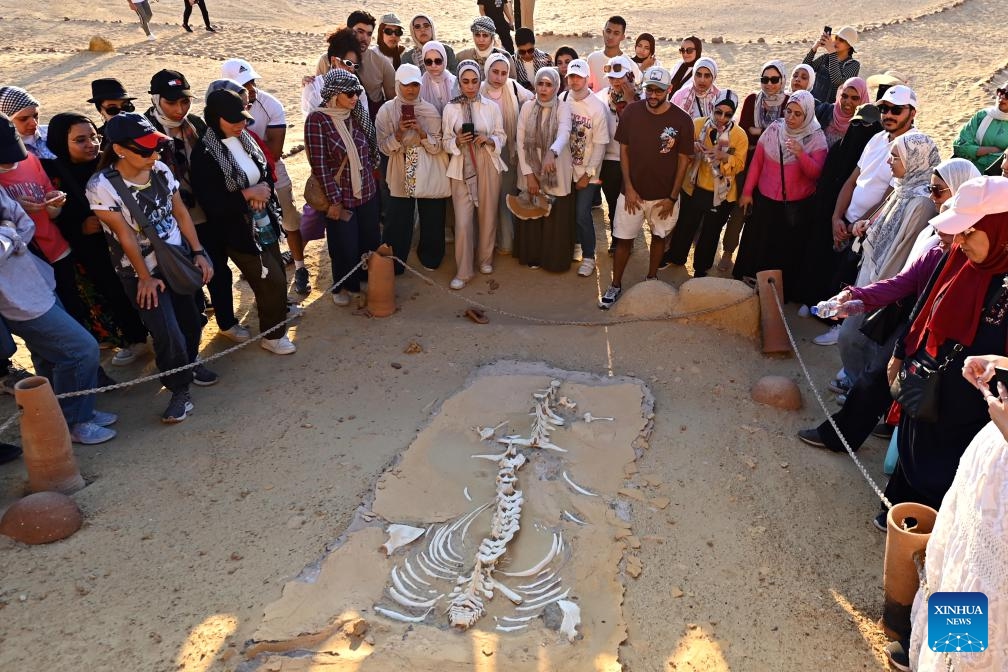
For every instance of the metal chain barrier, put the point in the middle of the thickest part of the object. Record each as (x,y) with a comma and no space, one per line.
(822,404)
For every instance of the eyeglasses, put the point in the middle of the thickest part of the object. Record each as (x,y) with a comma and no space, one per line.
(393,31)
(655,91)
(855,97)
(421,26)
(526,52)
(615,67)
(934,189)
(350,64)
(723,113)
(893,158)
(770,80)
(895,110)
(433,61)
(687,50)
(482,34)
(1003,92)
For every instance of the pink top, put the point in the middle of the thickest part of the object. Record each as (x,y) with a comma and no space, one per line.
(801,174)
(28,181)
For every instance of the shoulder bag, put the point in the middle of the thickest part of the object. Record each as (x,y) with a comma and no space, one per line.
(174,262)
(314,194)
(916,384)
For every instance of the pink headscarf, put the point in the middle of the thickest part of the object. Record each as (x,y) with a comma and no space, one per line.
(838,126)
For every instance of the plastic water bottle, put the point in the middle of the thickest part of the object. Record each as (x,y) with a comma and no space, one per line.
(833,308)
(263,227)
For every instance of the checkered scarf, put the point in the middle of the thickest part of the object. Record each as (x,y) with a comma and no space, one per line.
(13,99)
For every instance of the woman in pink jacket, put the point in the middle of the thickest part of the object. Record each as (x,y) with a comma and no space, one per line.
(778,192)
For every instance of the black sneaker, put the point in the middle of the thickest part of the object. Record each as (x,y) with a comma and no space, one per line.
(811,437)
(179,407)
(9,452)
(287,258)
(896,652)
(204,377)
(610,297)
(883,431)
(881,522)
(301,284)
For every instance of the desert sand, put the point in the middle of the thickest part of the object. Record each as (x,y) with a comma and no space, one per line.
(762,559)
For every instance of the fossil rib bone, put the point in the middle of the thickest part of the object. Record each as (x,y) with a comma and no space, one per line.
(577,487)
(589,418)
(396,616)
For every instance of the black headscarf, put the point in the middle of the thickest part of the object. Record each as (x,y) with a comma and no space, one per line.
(69,176)
(685,71)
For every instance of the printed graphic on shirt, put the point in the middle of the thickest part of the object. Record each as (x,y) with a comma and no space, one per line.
(667,140)
(580,128)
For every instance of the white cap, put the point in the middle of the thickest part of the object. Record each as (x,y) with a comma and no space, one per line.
(408,74)
(899,95)
(579,67)
(239,70)
(974,200)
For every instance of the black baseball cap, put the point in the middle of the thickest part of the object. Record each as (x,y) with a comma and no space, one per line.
(170,85)
(227,105)
(12,148)
(132,128)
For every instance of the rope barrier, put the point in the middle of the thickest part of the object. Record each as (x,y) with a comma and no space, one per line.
(822,404)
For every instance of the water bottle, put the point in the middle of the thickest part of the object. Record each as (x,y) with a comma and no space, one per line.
(833,308)
(263,227)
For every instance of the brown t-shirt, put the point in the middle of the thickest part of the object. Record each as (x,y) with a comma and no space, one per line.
(654,142)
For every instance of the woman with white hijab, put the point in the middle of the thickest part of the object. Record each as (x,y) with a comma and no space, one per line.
(802,78)
(437,85)
(945,181)
(500,89)
(779,188)
(408,128)
(422,30)
(984,138)
(544,128)
(472,132)
(697,96)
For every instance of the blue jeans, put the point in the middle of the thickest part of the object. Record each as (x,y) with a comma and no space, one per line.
(64,352)
(584,222)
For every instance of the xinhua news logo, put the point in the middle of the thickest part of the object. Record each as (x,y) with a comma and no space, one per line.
(957,622)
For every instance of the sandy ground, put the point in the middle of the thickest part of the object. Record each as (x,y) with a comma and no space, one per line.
(764,559)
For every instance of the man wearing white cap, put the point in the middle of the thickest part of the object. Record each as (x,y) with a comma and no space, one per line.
(271,125)
(588,140)
(837,65)
(613,35)
(656,146)
(615,97)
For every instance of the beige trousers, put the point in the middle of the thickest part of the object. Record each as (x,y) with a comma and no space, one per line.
(527,12)
(467,238)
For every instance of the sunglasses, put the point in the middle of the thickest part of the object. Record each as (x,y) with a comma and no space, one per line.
(1003,92)
(350,64)
(615,67)
(433,61)
(113,110)
(722,113)
(934,189)
(770,80)
(393,31)
(420,26)
(526,52)
(142,152)
(687,50)
(894,110)
(352,94)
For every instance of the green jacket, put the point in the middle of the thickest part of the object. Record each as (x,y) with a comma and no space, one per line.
(966,145)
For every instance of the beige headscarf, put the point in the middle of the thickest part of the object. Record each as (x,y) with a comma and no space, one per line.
(509,101)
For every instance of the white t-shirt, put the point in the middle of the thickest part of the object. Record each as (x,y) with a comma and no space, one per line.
(155,202)
(243,160)
(589,133)
(269,113)
(612,152)
(874,178)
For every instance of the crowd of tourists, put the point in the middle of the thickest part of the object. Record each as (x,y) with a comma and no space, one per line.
(113,224)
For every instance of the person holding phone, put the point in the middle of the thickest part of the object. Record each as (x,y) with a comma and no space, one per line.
(408,130)
(473,135)
(343,153)
(837,65)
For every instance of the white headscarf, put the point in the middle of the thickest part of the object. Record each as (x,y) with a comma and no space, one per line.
(956,171)
(437,90)
(694,105)
(809,70)
(509,102)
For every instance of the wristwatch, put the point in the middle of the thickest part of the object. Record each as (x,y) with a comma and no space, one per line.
(202,253)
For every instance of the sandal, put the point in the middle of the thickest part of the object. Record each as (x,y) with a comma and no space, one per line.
(477,316)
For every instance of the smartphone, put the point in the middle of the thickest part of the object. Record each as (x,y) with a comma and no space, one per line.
(1000,376)
(408,113)
(55,198)
(469,127)
(828,30)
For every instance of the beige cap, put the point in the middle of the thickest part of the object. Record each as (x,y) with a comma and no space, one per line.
(848,35)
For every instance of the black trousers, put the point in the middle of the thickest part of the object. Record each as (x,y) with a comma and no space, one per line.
(188,12)
(696,212)
(611,176)
(398,229)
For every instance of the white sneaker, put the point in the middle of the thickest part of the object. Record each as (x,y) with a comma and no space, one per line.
(151,37)
(486,269)
(829,338)
(578,254)
(457,283)
(341,298)
(294,310)
(586,268)
(278,346)
(803,311)
(237,333)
